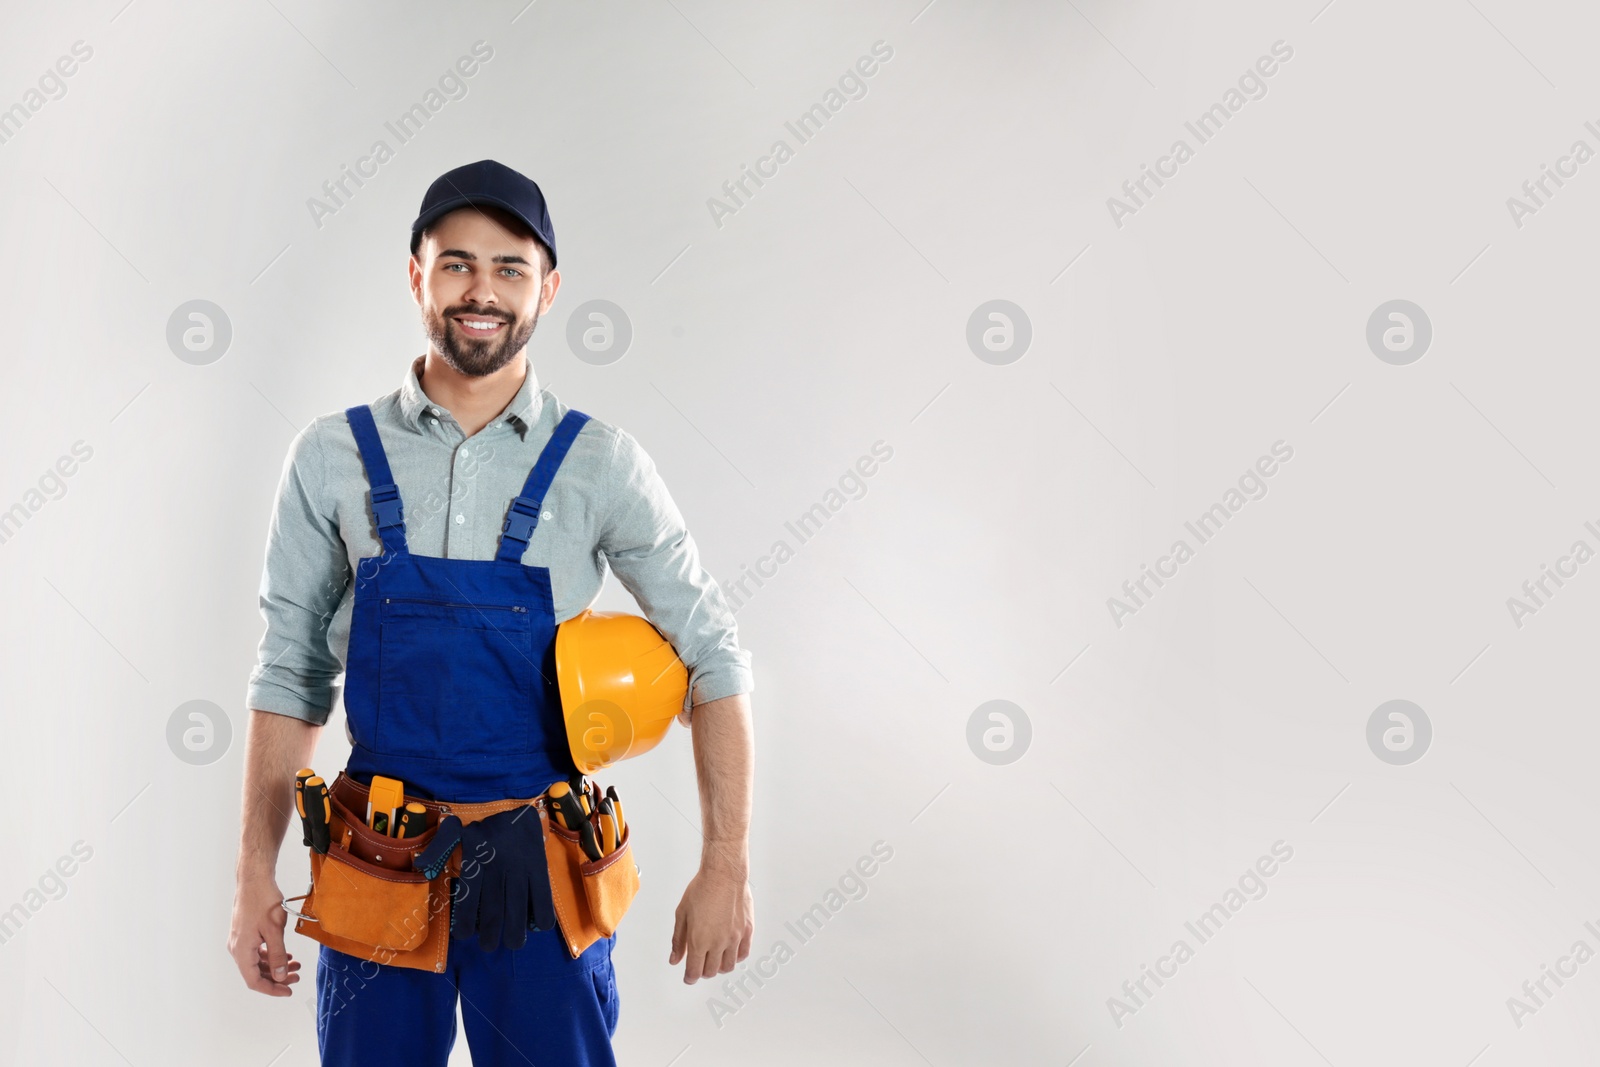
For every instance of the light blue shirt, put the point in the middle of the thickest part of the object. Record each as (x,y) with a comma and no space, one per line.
(607,508)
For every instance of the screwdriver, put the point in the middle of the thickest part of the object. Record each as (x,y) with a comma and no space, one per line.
(557,808)
(413,820)
(300,779)
(311,800)
(608,828)
(616,807)
(570,812)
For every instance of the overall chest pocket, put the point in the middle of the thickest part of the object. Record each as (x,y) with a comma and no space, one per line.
(457,680)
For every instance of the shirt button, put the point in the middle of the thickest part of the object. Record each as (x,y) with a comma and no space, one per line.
(435,410)
(460,519)
(547,516)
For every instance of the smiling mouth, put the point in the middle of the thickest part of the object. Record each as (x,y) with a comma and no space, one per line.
(477,327)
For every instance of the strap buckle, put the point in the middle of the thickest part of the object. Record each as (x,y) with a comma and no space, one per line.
(386,505)
(522,519)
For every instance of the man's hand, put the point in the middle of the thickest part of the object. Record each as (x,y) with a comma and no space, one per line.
(716,917)
(714,923)
(277,745)
(255,940)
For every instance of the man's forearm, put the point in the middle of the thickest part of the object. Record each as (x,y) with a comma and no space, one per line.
(279,745)
(724,763)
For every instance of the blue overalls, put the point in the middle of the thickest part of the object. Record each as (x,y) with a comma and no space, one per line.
(450,687)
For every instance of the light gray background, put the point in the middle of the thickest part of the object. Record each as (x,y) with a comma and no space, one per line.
(769,353)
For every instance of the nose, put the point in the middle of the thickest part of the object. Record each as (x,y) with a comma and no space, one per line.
(480,293)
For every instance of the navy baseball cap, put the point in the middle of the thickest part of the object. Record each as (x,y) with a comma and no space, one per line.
(492,183)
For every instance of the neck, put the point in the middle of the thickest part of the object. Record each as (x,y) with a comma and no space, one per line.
(473,401)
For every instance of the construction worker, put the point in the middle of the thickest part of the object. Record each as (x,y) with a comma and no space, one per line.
(471,477)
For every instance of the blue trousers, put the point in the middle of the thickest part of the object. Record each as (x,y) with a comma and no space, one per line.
(533,1005)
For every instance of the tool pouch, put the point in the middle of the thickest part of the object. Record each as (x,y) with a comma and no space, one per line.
(591,896)
(365,899)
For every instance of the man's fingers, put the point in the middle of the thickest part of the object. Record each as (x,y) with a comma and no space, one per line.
(277,958)
(294,976)
(693,966)
(263,960)
(266,980)
(730,956)
(260,979)
(255,977)
(263,984)
(678,932)
(271,932)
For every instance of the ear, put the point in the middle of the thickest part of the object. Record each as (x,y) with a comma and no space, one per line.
(414,273)
(547,290)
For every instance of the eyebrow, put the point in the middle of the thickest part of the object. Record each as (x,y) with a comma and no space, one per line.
(457,253)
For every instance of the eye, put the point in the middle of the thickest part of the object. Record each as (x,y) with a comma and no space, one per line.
(513,272)
(452,266)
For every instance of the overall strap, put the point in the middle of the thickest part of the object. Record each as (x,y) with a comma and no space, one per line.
(524,514)
(386,507)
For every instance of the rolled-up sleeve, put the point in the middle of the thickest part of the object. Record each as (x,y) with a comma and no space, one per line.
(303,581)
(649,548)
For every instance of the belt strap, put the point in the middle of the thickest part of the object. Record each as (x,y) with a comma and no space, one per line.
(353,795)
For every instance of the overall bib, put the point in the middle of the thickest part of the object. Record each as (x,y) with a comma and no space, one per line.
(450,687)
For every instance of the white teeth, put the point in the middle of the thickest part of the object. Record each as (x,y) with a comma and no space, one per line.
(480,325)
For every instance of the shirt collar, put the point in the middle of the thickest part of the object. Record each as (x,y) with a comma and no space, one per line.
(523,408)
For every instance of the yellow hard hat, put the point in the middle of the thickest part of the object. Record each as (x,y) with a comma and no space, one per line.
(621,685)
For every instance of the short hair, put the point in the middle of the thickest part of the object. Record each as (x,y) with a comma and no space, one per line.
(503,218)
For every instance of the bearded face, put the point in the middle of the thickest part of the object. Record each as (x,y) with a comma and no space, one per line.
(475,341)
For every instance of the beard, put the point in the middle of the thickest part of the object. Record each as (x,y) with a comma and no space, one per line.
(475,357)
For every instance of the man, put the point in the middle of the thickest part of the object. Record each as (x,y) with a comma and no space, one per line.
(458,439)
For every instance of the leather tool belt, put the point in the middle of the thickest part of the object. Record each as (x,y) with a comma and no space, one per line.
(367,900)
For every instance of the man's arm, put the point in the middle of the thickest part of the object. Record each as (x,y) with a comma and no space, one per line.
(278,746)
(648,546)
(290,694)
(716,918)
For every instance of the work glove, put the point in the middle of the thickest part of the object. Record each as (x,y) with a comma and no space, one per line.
(504,888)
